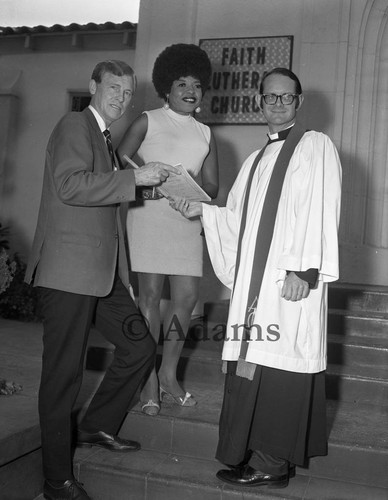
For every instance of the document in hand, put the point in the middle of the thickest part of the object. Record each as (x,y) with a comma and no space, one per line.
(183,186)
(179,186)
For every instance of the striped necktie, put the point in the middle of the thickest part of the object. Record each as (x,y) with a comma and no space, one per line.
(108,139)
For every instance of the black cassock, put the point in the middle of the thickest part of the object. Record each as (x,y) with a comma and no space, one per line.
(280,413)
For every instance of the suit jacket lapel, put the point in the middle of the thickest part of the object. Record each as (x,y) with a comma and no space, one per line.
(99,135)
(122,208)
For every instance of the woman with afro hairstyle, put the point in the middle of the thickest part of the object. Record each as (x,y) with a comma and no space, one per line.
(162,243)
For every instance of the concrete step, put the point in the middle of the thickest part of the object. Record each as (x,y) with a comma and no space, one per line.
(358,324)
(348,351)
(182,440)
(357,369)
(202,343)
(359,351)
(361,298)
(22,478)
(156,475)
(350,377)
(345,384)
(341,321)
(352,308)
(358,435)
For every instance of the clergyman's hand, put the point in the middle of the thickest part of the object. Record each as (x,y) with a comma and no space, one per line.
(154,173)
(187,208)
(294,288)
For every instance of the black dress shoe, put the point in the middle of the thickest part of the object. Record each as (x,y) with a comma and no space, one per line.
(246,476)
(70,490)
(108,441)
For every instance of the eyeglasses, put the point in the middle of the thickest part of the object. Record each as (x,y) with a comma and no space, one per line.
(286,99)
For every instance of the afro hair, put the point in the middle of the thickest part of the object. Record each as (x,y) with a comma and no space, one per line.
(177,61)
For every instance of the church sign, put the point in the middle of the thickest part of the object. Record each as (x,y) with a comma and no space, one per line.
(238,66)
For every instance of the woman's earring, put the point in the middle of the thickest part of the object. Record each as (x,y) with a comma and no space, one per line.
(197,109)
(166,104)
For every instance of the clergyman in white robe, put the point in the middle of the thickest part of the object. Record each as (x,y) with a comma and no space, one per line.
(288,339)
(291,335)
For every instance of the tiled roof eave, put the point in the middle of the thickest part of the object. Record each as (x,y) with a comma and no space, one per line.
(72,28)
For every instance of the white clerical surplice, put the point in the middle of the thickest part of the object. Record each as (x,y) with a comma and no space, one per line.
(285,335)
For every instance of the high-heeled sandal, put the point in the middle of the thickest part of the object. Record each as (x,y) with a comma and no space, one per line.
(186,400)
(151,408)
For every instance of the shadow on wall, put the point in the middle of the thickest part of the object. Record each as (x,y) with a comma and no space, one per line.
(211,289)
(229,166)
(9,112)
(315,112)
(358,261)
(9,127)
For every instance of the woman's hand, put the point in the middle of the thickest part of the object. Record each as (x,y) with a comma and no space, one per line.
(186,208)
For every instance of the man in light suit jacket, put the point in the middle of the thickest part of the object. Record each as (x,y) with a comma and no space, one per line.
(79,263)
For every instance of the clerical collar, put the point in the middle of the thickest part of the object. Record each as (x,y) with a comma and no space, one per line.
(279,136)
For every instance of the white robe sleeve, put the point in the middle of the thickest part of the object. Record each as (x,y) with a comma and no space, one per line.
(222,224)
(312,208)
(221,238)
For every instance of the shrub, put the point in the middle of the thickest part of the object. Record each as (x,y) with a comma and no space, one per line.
(7,271)
(20,300)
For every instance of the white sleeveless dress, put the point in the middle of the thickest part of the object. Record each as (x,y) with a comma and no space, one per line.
(160,239)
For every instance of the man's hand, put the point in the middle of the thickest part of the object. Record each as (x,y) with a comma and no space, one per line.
(294,288)
(186,208)
(154,173)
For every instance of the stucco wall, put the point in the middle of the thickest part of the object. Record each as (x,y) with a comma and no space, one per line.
(338,54)
(39,84)
(320,30)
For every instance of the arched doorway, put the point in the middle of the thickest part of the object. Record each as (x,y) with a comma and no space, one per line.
(364,224)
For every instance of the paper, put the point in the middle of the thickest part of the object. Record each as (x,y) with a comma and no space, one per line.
(183,186)
(179,186)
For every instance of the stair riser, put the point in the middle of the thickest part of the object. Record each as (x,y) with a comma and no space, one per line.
(195,369)
(207,343)
(361,301)
(338,323)
(22,478)
(151,476)
(355,390)
(207,334)
(337,387)
(346,355)
(217,312)
(190,368)
(353,355)
(200,441)
(176,436)
(338,352)
(109,484)
(348,325)
(351,464)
